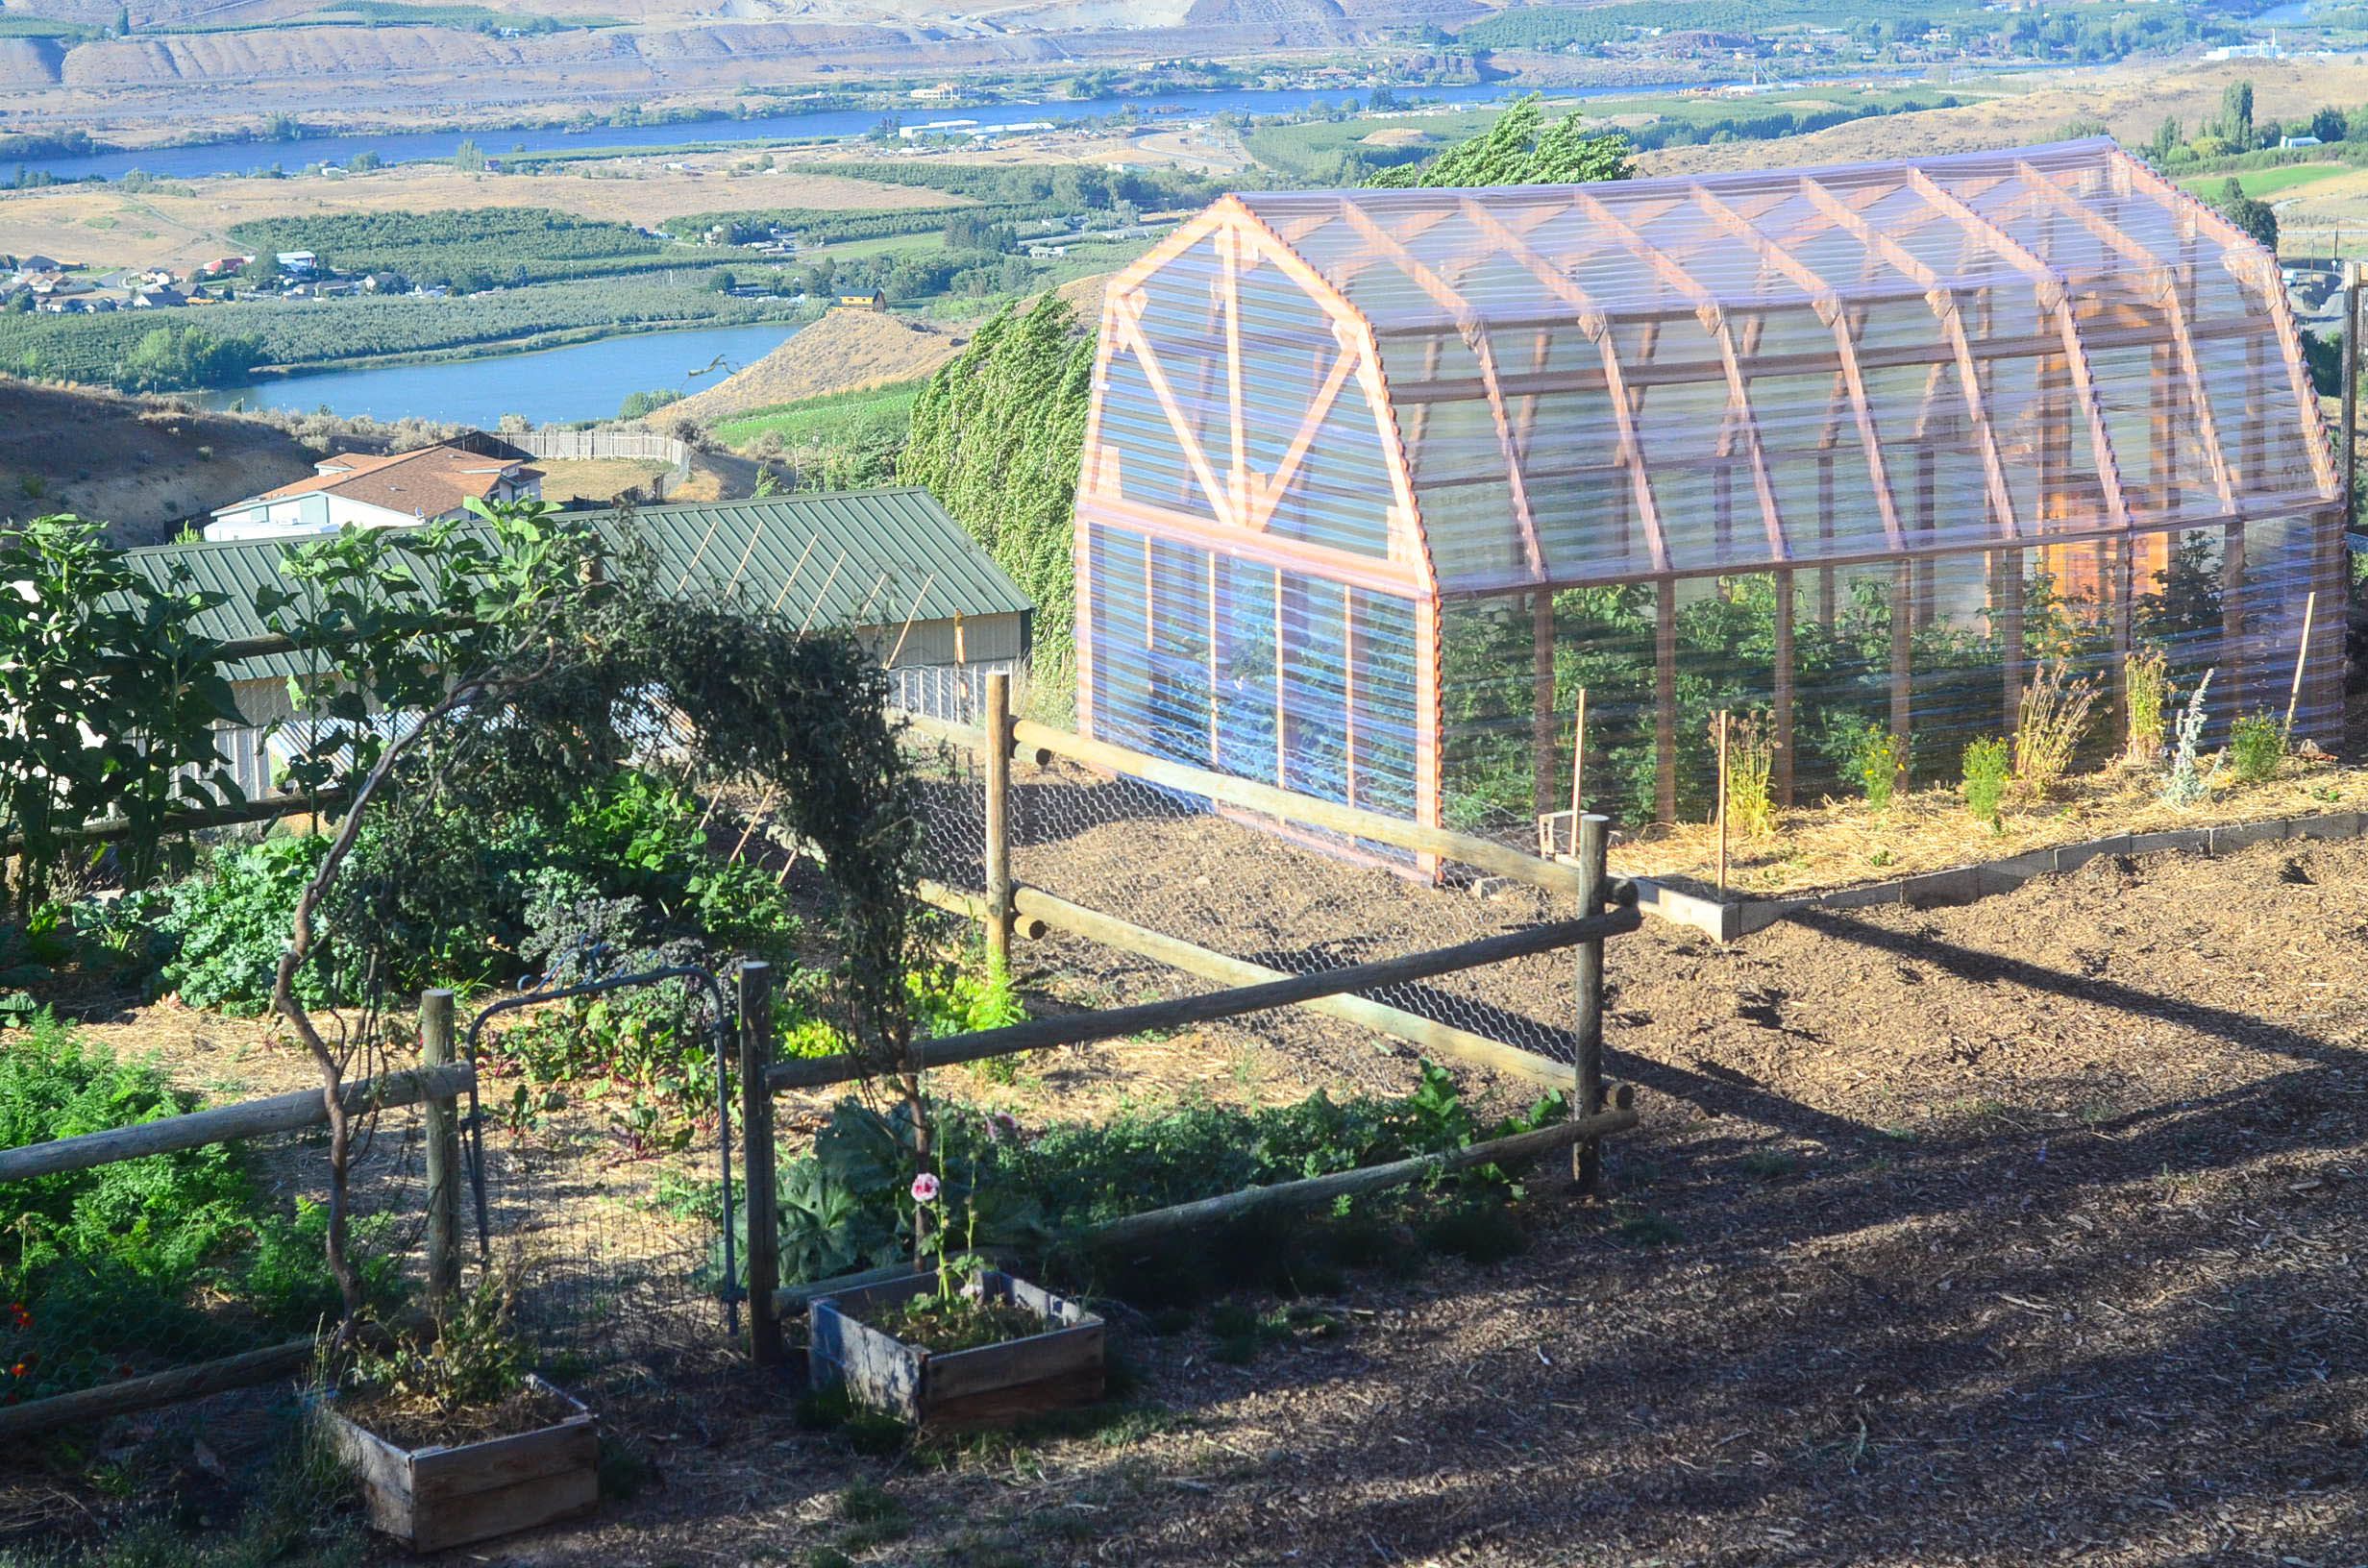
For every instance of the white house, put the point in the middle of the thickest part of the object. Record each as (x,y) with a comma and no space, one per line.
(398,490)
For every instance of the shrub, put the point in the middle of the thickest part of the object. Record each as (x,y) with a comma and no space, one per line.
(1987,772)
(230,921)
(2185,785)
(2146,680)
(2257,747)
(1751,769)
(95,1258)
(1878,757)
(2049,726)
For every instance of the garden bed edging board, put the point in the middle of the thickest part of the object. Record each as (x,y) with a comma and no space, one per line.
(1057,1369)
(1726,920)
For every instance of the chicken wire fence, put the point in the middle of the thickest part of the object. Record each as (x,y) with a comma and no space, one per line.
(1288,899)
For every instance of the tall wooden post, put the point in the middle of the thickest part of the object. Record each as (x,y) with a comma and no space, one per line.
(1544,775)
(2012,655)
(1664,701)
(1784,687)
(1903,659)
(760,1200)
(1825,536)
(2350,391)
(1593,834)
(998,822)
(443,1118)
(2121,560)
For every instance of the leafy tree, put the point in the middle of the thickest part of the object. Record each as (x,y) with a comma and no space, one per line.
(2236,123)
(2166,140)
(180,356)
(2331,123)
(997,436)
(2255,216)
(469,157)
(1521,150)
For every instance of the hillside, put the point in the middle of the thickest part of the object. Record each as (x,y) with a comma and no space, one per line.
(2131,100)
(142,464)
(844,351)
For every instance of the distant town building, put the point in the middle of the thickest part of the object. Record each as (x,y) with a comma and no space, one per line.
(361,490)
(874,300)
(298,262)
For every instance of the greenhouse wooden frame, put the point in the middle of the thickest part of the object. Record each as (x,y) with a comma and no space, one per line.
(1340,439)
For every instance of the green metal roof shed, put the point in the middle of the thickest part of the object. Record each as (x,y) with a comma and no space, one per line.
(890,565)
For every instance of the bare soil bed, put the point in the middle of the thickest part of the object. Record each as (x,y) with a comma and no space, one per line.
(2026,1231)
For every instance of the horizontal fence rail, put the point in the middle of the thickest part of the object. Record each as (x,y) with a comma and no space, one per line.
(1084,1027)
(287,1113)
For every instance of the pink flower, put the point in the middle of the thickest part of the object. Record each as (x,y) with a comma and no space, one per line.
(925,1188)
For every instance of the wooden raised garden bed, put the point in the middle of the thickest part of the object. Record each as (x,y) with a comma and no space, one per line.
(990,1385)
(434,1497)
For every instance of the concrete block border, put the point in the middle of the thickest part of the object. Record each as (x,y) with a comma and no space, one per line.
(1726,919)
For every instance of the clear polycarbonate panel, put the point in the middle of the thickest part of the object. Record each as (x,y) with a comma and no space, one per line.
(1945,633)
(1234,401)
(2056,318)
(1267,674)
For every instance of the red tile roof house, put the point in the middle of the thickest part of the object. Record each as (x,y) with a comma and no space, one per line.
(398,490)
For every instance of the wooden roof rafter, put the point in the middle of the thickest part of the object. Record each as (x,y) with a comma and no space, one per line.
(1942,299)
(1474,330)
(1829,307)
(2166,284)
(2054,296)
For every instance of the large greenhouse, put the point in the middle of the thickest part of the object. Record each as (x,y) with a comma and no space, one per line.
(1377,481)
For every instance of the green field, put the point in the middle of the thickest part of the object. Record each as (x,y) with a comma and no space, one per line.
(821,419)
(2264,183)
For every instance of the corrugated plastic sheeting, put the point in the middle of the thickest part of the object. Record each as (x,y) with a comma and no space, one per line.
(1604,638)
(1333,717)
(1674,390)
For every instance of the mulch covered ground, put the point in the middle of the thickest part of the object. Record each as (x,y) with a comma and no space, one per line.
(2026,1231)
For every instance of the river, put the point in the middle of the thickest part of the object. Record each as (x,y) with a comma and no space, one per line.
(587,380)
(238,157)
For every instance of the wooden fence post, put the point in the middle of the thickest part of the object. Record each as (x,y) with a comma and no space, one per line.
(443,1123)
(1593,833)
(999,821)
(758,1197)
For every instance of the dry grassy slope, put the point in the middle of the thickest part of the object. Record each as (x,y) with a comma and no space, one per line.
(2132,100)
(139,465)
(844,351)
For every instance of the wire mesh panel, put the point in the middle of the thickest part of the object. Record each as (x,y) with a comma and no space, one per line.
(1247,888)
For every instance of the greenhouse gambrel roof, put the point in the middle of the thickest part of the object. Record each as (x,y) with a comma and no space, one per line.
(856,559)
(1444,391)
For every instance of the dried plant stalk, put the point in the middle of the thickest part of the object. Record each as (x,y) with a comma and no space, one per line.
(2048,729)
(2147,680)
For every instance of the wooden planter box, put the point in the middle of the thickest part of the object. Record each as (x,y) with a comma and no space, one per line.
(993,1385)
(431,1497)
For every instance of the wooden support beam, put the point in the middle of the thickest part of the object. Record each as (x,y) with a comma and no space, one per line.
(1259,997)
(1133,1229)
(443,1152)
(761,1198)
(1592,832)
(287,1113)
(1903,656)
(1665,699)
(1546,771)
(1782,761)
(2056,298)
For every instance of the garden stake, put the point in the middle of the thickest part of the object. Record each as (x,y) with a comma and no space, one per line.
(1592,834)
(2301,652)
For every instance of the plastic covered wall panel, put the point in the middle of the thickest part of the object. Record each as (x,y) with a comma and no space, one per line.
(1274,676)
(1965,616)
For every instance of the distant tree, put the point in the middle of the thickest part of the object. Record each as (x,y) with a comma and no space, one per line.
(722,281)
(2331,123)
(2166,140)
(2254,216)
(2268,134)
(638,404)
(2236,123)
(1382,100)
(123,21)
(469,157)
(363,162)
